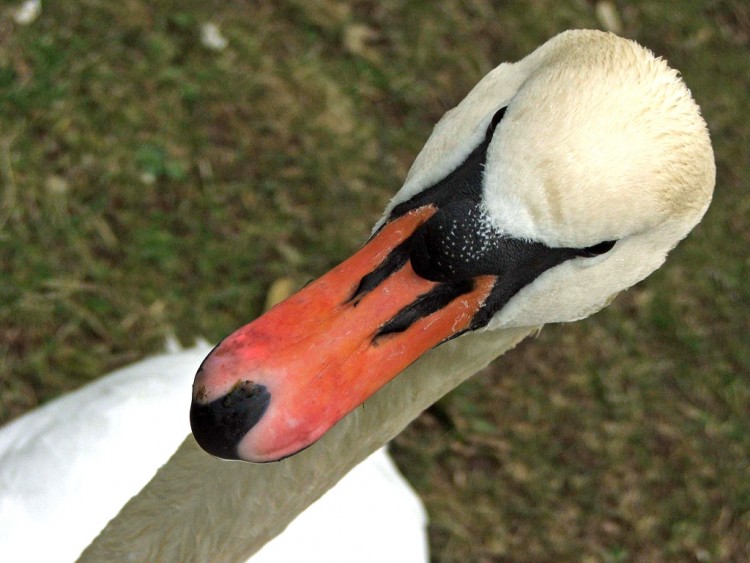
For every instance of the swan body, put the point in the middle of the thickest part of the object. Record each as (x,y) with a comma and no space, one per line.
(67,467)
(558,182)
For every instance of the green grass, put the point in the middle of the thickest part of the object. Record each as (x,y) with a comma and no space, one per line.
(151,186)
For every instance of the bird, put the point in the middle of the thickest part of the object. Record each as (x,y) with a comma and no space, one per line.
(558,182)
(68,466)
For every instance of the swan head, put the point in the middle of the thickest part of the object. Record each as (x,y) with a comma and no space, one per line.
(559,181)
(599,142)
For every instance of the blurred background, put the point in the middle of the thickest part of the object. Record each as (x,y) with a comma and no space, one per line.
(164,164)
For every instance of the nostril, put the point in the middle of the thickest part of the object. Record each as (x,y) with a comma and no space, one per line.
(219,426)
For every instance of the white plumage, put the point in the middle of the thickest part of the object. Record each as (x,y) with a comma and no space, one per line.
(67,467)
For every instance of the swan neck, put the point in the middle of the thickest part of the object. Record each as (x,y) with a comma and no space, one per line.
(200,508)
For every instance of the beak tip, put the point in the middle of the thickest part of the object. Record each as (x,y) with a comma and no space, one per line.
(220,425)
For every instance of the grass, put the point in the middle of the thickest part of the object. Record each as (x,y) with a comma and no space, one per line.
(152,186)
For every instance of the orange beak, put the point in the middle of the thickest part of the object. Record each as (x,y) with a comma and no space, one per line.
(276,385)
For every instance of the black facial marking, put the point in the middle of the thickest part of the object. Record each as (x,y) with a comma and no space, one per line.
(522,262)
(496,119)
(464,182)
(395,260)
(425,305)
(458,244)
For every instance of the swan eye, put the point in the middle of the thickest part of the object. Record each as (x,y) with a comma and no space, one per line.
(496,119)
(598,249)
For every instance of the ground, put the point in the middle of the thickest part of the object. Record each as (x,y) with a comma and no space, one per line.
(155,184)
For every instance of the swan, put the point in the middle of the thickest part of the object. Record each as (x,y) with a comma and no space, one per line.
(67,467)
(558,182)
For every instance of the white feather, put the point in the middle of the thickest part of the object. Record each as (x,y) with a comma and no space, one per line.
(68,467)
